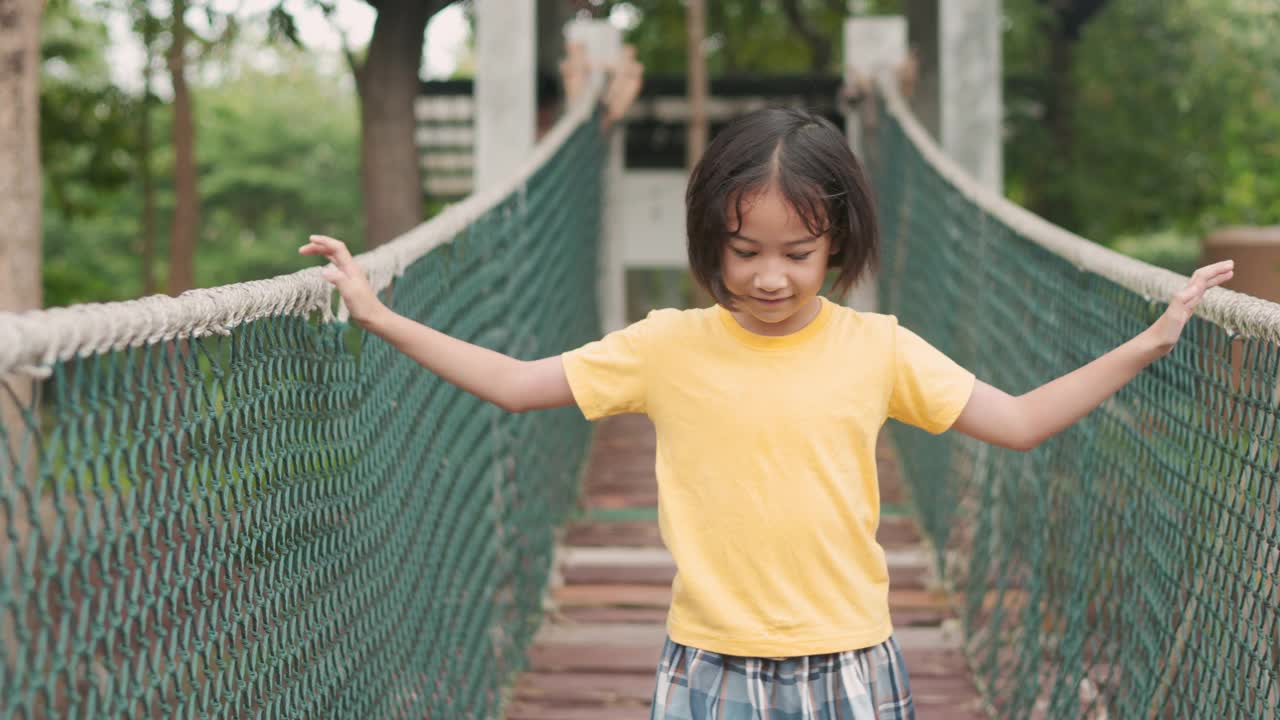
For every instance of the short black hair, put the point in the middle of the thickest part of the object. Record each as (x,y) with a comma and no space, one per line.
(807,159)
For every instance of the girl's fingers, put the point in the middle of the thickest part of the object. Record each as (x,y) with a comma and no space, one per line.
(335,250)
(320,245)
(1215,273)
(1183,304)
(1204,278)
(324,242)
(342,269)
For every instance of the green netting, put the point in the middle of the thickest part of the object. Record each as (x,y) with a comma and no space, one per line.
(1128,567)
(295,520)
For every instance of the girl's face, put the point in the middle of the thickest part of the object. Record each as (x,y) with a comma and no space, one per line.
(774,266)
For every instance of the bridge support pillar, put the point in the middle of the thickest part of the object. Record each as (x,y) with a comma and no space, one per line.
(602,43)
(871,45)
(971,87)
(958,92)
(505,88)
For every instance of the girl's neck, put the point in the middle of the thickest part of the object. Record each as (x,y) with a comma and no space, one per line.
(798,320)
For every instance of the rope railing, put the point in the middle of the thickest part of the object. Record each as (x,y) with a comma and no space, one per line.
(33,341)
(1127,568)
(228,505)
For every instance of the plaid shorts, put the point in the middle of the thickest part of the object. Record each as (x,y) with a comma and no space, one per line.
(868,684)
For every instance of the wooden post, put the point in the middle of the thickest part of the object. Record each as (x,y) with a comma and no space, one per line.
(696,20)
(696,143)
(20,200)
(871,46)
(598,44)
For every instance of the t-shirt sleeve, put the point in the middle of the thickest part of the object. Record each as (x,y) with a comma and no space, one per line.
(610,376)
(929,389)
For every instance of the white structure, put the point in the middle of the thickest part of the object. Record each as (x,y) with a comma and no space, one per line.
(970,87)
(958,97)
(958,93)
(505,126)
(445,136)
(505,87)
(603,44)
(872,45)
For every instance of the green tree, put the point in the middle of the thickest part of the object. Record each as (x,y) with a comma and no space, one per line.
(1174,118)
(19,146)
(20,192)
(759,36)
(279,159)
(387,82)
(87,147)
(186,213)
(1061,25)
(282,160)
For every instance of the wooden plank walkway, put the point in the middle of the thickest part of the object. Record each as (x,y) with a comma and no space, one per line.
(595,655)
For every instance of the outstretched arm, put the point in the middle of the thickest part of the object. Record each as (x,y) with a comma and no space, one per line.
(1023,422)
(511,384)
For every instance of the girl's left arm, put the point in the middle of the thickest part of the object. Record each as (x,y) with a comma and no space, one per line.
(1023,422)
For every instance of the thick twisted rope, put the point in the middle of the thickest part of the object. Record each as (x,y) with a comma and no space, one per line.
(1236,312)
(32,342)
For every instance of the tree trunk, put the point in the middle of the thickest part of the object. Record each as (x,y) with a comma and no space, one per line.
(819,44)
(1051,192)
(698,131)
(1055,201)
(923,26)
(388,82)
(20,227)
(552,16)
(696,22)
(20,190)
(186,212)
(145,144)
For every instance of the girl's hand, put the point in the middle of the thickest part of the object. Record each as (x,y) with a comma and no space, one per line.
(1168,328)
(345,274)
(626,76)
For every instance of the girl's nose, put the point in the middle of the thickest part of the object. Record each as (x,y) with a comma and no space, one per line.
(770,282)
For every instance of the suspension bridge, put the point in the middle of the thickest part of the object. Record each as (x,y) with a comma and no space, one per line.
(235,504)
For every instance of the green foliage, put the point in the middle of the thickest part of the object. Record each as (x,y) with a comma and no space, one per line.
(1177,121)
(279,159)
(278,156)
(1169,249)
(88,148)
(1177,117)
(1177,114)
(86,139)
(742,37)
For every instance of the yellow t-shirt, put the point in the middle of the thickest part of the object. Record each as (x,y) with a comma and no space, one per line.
(767,490)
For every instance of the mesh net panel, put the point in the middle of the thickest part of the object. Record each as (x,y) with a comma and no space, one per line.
(296,520)
(1128,567)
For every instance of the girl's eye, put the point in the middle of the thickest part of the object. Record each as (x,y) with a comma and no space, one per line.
(743,253)
(800,256)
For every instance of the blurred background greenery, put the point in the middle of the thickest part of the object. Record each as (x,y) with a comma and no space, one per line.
(1173,108)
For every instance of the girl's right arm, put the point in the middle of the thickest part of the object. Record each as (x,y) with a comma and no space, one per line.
(511,384)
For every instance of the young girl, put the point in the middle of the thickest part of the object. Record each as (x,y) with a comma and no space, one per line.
(767,406)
